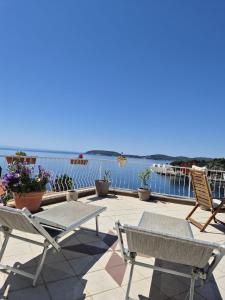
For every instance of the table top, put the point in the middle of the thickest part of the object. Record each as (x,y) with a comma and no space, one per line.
(166,224)
(69,215)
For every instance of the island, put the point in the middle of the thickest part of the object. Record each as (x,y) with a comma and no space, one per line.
(153,156)
(103,152)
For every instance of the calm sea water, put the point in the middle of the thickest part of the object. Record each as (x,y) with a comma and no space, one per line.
(121,177)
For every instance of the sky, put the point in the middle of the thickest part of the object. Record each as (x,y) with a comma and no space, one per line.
(139,77)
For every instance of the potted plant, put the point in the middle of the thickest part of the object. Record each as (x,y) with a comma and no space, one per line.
(26,186)
(79,160)
(144,192)
(62,183)
(21,156)
(122,160)
(102,185)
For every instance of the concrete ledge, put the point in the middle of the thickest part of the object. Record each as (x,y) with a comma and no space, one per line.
(173,199)
(123,192)
(155,196)
(57,197)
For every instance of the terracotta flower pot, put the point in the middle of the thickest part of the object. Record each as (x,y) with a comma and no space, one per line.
(102,187)
(78,161)
(144,194)
(31,201)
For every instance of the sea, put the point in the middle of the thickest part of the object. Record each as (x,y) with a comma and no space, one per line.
(122,177)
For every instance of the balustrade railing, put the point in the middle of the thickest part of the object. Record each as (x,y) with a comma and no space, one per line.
(165,179)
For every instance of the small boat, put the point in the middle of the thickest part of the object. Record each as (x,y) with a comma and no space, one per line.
(166,169)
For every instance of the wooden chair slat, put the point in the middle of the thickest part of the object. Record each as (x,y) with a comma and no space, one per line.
(203,196)
(202,191)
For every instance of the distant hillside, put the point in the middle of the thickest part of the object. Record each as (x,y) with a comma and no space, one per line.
(134,156)
(179,158)
(213,164)
(165,157)
(153,156)
(103,152)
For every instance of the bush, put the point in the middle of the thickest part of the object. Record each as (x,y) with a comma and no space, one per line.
(21,153)
(62,183)
(145,177)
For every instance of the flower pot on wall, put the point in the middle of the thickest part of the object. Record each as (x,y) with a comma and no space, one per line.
(102,187)
(28,160)
(78,161)
(122,161)
(144,194)
(31,201)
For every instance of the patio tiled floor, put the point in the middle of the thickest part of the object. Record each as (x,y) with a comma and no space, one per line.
(91,267)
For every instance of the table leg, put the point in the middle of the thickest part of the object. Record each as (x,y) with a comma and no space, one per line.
(96,221)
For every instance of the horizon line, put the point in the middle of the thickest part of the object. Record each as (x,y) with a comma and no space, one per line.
(78,152)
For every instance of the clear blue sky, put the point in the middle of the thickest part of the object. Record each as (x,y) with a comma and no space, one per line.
(140,77)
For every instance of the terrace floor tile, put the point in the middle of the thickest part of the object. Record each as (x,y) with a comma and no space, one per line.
(91,267)
(67,289)
(99,281)
(29,293)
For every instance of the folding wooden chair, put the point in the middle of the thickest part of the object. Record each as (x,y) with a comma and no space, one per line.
(204,199)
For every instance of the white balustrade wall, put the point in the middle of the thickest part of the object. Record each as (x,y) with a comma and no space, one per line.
(174,181)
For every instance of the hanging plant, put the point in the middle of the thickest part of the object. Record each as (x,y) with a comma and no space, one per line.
(79,160)
(21,157)
(122,160)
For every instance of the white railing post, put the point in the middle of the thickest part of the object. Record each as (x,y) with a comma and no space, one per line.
(166,179)
(189,186)
(100,170)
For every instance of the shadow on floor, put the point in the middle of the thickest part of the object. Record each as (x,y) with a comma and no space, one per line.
(55,276)
(96,198)
(218,226)
(82,256)
(168,286)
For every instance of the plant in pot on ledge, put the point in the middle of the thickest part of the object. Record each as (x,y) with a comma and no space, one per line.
(102,185)
(27,187)
(62,183)
(144,192)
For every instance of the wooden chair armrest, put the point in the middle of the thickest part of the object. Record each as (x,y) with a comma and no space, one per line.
(223,203)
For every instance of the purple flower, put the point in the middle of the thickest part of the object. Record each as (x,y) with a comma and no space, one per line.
(10,176)
(46,174)
(5,182)
(21,178)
